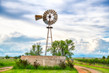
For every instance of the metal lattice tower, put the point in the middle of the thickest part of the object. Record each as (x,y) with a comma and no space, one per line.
(49,17)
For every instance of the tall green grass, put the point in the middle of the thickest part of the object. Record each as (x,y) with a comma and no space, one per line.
(32,69)
(24,64)
(96,68)
(93,64)
(103,70)
(39,71)
(94,61)
(7,62)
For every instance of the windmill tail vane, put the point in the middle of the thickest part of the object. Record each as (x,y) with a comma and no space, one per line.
(37,17)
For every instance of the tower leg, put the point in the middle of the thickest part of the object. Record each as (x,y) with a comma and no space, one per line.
(49,35)
(47,42)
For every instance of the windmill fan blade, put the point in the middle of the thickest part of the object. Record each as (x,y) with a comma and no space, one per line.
(37,17)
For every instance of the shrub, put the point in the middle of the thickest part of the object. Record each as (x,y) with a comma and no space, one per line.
(23,64)
(1,64)
(36,64)
(62,65)
(70,63)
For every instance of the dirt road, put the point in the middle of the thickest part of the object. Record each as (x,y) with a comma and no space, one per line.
(81,69)
(5,68)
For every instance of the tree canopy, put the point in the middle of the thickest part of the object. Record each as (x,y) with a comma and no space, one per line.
(103,57)
(7,57)
(36,50)
(62,48)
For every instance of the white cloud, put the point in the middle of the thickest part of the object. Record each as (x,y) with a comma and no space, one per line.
(76,20)
(9,26)
(1,50)
(106,39)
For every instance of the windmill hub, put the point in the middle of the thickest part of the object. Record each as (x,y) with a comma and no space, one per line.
(50,17)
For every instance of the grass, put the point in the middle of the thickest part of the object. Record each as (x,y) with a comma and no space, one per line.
(101,65)
(24,64)
(7,62)
(39,71)
(11,62)
(103,70)
(96,64)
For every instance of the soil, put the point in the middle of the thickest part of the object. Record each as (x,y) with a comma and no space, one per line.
(81,69)
(5,68)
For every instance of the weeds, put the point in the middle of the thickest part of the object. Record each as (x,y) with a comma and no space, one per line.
(23,64)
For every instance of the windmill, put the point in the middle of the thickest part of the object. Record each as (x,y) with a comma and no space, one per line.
(49,18)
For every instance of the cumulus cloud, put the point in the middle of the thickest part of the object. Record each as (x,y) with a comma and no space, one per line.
(85,22)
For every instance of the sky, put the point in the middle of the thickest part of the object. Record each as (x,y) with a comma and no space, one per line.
(86,22)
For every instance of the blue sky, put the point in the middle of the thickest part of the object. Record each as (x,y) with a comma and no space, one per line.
(86,22)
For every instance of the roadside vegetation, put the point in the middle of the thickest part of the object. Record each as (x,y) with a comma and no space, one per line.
(24,64)
(103,70)
(102,60)
(39,71)
(101,64)
(21,66)
(7,62)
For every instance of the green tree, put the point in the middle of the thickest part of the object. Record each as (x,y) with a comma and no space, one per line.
(62,48)
(107,57)
(7,57)
(36,50)
(54,49)
(15,57)
(27,53)
(103,57)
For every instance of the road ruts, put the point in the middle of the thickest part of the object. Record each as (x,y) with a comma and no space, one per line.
(81,69)
(5,68)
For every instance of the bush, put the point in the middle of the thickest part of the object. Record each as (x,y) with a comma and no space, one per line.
(62,65)
(36,64)
(23,64)
(1,64)
(67,66)
(70,64)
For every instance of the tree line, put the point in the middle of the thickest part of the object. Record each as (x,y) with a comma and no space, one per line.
(102,60)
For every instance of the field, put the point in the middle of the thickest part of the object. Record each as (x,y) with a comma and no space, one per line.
(39,71)
(104,68)
(94,61)
(7,62)
(11,62)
